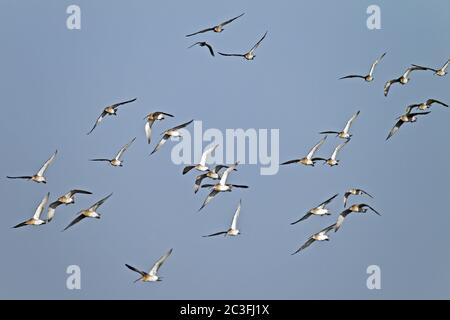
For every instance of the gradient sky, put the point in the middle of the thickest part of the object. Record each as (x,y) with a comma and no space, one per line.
(54,83)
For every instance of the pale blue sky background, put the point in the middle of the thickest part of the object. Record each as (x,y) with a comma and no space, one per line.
(54,83)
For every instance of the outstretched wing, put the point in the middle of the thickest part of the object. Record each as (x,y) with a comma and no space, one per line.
(180,126)
(159,263)
(201,31)
(258,43)
(206,153)
(316,147)
(372,68)
(41,207)
(231,54)
(160,143)
(124,148)
(99,119)
(388,85)
(323,204)
(231,20)
(95,206)
(236,216)
(208,199)
(305,245)
(215,234)
(198,181)
(47,164)
(306,216)
(75,221)
(395,128)
(352,76)
(116,105)
(350,121)
(142,273)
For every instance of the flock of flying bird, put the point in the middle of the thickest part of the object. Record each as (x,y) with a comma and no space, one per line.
(221,172)
(310,159)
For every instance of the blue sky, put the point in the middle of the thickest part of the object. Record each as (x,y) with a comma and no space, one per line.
(55,83)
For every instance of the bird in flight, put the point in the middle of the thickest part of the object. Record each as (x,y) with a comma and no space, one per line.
(174,132)
(222,186)
(322,235)
(213,174)
(39,176)
(150,119)
(439,72)
(218,28)
(202,165)
(117,160)
(36,219)
(320,210)
(354,192)
(91,212)
(403,79)
(109,111)
(424,105)
(250,55)
(332,161)
(407,117)
(308,160)
(233,230)
(66,199)
(344,134)
(204,44)
(368,77)
(362,208)
(152,275)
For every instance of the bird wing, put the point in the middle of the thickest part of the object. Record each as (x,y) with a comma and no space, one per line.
(352,76)
(159,263)
(315,148)
(142,273)
(208,199)
(223,179)
(75,191)
(96,205)
(231,54)
(201,31)
(124,148)
(116,105)
(411,107)
(419,68)
(180,126)
(346,195)
(372,68)
(160,143)
(148,130)
(231,20)
(41,207)
(206,153)
(258,43)
(236,216)
(337,149)
(323,204)
(395,128)
(414,68)
(350,121)
(445,66)
(198,181)
(46,164)
(306,216)
(388,85)
(341,218)
(431,101)
(366,205)
(210,48)
(327,229)
(215,234)
(99,119)
(305,245)
(75,221)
